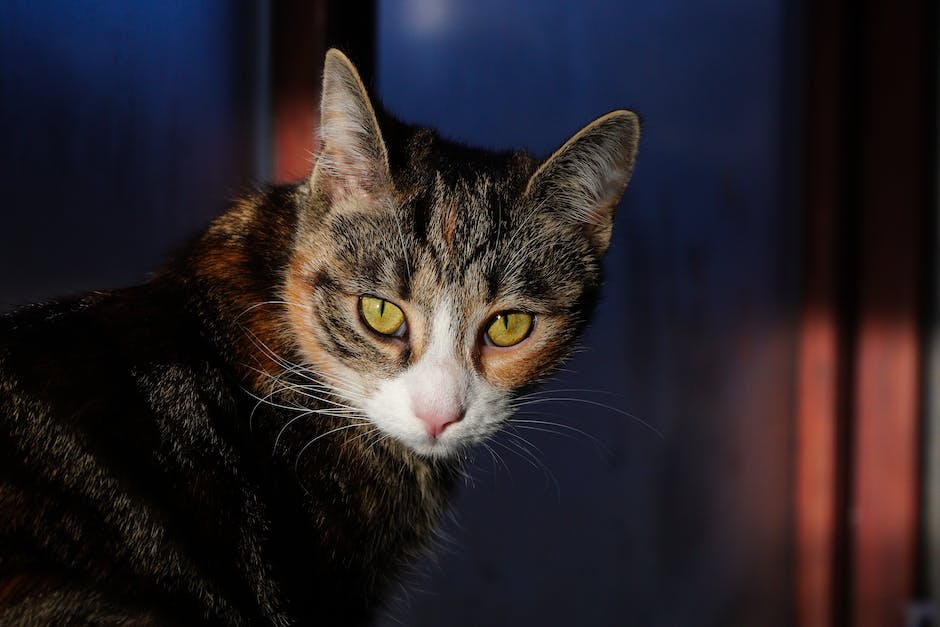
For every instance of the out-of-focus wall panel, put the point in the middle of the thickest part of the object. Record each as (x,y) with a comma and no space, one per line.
(126,126)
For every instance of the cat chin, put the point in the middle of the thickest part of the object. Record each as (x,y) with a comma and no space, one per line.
(455,440)
(438,449)
(435,449)
(448,445)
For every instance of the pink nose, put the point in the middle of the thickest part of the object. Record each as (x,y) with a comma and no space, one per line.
(435,421)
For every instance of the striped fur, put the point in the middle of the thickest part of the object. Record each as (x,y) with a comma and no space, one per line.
(229,443)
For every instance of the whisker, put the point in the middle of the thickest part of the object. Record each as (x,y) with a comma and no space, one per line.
(300,389)
(617,410)
(307,391)
(569,436)
(320,437)
(372,437)
(304,372)
(307,373)
(317,412)
(284,428)
(266,401)
(286,364)
(262,304)
(522,449)
(468,479)
(561,425)
(543,393)
(497,460)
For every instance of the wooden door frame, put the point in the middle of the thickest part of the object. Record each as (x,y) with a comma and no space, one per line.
(859,410)
(301,33)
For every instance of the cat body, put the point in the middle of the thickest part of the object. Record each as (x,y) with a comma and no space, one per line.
(269,429)
(130,467)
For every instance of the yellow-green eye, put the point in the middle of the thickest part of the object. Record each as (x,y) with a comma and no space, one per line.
(382,316)
(509,328)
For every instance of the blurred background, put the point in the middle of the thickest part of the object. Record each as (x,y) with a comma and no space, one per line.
(771,301)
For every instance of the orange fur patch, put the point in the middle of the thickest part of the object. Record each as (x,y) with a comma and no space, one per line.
(511,367)
(450,224)
(17,587)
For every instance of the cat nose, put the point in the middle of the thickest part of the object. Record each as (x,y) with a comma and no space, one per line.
(436,421)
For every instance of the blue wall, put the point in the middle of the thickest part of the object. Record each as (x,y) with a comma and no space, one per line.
(126,126)
(695,332)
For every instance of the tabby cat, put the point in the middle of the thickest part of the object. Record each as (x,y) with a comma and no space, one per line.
(266,431)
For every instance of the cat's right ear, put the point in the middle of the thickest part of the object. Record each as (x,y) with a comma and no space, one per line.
(352,158)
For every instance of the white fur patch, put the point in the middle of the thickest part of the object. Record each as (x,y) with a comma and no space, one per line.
(439,382)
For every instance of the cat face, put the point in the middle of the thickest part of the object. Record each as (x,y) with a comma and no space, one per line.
(431,282)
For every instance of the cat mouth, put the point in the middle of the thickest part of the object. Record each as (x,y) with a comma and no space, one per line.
(434,446)
(415,436)
(449,442)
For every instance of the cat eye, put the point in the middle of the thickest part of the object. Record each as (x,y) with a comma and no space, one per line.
(382,316)
(509,328)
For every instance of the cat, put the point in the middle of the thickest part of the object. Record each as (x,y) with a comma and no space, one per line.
(269,428)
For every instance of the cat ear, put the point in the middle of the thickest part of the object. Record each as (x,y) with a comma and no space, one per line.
(352,158)
(585,178)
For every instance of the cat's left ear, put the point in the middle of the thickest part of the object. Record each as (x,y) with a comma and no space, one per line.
(585,178)
(352,158)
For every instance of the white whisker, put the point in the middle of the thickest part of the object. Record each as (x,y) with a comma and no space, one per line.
(262,304)
(497,460)
(542,393)
(523,451)
(320,437)
(570,399)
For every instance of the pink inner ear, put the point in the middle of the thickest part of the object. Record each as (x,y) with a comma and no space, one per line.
(347,170)
(352,157)
(343,175)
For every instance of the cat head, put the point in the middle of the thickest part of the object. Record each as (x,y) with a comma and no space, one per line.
(430,282)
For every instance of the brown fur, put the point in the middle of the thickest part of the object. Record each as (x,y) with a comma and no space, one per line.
(195,449)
